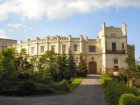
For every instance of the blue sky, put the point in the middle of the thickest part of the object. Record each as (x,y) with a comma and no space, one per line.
(23,19)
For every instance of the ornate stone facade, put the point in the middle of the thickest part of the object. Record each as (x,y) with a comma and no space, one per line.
(105,53)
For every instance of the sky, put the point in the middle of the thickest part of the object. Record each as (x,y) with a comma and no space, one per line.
(24,19)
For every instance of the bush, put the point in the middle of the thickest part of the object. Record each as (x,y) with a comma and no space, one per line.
(26,88)
(8,88)
(115,89)
(105,79)
(82,73)
(60,86)
(129,99)
(43,89)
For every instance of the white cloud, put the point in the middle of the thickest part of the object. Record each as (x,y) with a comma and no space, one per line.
(3,34)
(14,25)
(57,9)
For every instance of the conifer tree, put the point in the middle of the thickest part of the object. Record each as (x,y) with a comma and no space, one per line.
(71,71)
(82,67)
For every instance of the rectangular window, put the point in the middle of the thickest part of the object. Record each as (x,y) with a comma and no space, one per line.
(116,68)
(113,35)
(53,47)
(32,50)
(114,46)
(63,48)
(92,48)
(75,47)
(115,61)
(122,46)
(42,49)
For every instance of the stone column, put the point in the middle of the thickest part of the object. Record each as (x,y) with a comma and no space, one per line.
(70,43)
(81,43)
(37,48)
(28,47)
(47,43)
(58,44)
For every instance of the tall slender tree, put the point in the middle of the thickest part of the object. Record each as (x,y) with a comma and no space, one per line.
(71,71)
(82,67)
(62,66)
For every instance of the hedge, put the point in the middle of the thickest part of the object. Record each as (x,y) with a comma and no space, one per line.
(114,90)
(129,99)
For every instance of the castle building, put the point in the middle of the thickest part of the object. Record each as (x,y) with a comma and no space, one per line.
(4,43)
(108,52)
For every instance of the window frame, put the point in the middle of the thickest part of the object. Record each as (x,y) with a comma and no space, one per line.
(116,61)
(92,48)
(32,50)
(75,47)
(42,51)
(63,48)
(53,47)
(114,46)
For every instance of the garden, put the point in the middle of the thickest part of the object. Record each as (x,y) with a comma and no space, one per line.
(122,89)
(49,73)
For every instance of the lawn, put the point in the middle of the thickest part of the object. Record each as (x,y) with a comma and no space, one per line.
(74,83)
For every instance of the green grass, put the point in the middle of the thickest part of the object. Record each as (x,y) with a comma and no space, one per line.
(105,78)
(75,83)
(138,90)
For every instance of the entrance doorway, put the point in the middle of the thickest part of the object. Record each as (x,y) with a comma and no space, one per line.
(92,67)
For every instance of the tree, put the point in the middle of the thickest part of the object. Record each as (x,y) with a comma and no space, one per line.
(82,67)
(71,71)
(22,62)
(62,66)
(47,65)
(128,74)
(7,63)
(24,67)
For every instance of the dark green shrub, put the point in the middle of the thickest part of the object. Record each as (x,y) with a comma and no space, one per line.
(43,89)
(26,88)
(64,85)
(129,99)
(23,76)
(8,88)
(115,89)
(60,86)
(82,73)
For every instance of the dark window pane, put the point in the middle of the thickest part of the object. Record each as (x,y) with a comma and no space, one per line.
(115,61)
(114,46)
(92,48)
(122,46)
(75,47)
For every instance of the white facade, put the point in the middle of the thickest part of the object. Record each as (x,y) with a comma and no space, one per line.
(107,52)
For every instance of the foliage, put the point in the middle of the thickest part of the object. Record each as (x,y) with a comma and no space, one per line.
(105,79)
(129,74)
(74,83)
(82,68)
(71,71)
(114,89)
(46,65)
(26,88)
(129,99)
(7,65)
(62,67)
(45,74)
